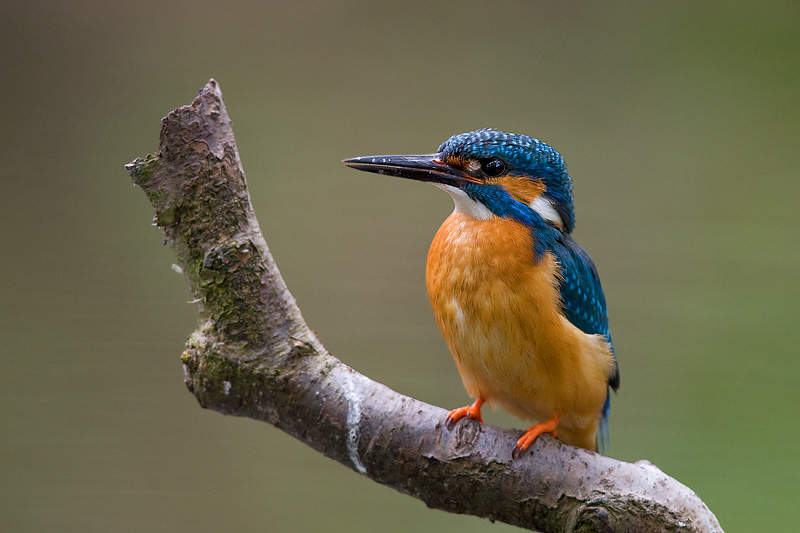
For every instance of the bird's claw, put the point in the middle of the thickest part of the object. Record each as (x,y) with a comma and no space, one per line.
(470,411)
(532,433)
(518,451)
(462,412)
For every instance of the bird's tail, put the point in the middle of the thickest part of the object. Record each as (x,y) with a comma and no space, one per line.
(603,439)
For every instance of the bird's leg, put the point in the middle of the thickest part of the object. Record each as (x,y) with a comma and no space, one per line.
(470,411)
(531,434)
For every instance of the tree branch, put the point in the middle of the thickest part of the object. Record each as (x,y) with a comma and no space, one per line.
(255,356)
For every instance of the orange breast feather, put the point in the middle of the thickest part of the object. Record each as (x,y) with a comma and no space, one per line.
(501,317)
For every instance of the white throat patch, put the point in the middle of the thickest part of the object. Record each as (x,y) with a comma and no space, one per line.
(465,204)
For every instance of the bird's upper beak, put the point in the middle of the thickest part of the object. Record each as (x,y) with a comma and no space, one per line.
(428,167)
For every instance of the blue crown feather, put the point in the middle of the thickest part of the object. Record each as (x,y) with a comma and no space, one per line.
(523,155)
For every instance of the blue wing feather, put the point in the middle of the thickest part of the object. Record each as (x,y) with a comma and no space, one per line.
(581,294)
(585,304)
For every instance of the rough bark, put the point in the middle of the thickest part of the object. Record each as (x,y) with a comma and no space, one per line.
(255,356)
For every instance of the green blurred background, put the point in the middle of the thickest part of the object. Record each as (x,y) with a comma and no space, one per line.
(679,123)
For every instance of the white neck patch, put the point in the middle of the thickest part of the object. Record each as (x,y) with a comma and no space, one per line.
(545,208)
(466,205)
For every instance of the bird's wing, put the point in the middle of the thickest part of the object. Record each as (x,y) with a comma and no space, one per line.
(585,306)
(582,294)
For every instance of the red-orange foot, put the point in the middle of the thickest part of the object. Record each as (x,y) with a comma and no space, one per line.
(471,411)
(533,432)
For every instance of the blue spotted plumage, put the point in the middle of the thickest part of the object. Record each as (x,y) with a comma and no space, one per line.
(581,293)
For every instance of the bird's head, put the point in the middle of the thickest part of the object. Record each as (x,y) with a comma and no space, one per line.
(491,173)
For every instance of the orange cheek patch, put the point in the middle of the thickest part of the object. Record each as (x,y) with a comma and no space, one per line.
(522,188)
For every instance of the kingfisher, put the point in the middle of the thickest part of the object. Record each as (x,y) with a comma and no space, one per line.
(518,301)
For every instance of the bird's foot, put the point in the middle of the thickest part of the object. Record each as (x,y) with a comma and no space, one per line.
(471,411)
(533,432)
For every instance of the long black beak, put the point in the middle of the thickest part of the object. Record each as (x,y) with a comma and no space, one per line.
(415,167)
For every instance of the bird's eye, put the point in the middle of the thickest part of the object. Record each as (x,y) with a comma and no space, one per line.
(493,167)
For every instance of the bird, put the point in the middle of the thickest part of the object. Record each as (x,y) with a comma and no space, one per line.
(518,301)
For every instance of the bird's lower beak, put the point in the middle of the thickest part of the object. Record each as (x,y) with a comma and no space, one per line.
(416,167)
